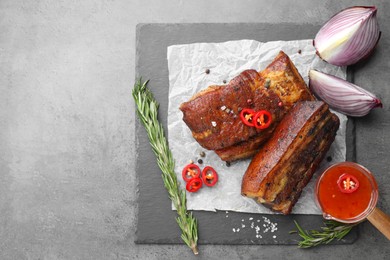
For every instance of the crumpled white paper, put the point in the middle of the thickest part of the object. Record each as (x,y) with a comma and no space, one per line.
(187,65)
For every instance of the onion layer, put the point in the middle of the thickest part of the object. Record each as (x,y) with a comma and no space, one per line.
(342,95)
(348,36)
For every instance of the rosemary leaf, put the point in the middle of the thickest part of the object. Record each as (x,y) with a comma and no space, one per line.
(332,230)
(147,111)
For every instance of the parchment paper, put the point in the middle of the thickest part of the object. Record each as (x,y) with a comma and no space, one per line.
(187,66)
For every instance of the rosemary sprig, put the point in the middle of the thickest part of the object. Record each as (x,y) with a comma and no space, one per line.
(332,230)
(147,110)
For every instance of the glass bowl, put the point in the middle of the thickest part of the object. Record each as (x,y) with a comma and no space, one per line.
(356,167)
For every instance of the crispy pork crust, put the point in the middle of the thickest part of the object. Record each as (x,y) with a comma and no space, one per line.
(285,164)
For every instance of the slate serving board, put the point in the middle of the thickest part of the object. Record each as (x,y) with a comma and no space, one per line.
(156,221)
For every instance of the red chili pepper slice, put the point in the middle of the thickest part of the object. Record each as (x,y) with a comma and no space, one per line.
(194,184)
(190,171)
(247,116)
(348,183)
(209,176)
(262,119)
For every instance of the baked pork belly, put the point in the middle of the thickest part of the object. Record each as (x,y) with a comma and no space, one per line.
(286,162)
(213,114)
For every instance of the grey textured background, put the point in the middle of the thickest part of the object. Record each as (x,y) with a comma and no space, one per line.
(67,182)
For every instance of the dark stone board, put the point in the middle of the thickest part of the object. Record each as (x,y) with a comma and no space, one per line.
(156,221)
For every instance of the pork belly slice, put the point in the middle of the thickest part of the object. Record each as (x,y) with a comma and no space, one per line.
(285,164)
(275,89)
(213,115)
(288,85)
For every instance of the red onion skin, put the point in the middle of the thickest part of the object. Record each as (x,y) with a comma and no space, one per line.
(348,56)
(334,95)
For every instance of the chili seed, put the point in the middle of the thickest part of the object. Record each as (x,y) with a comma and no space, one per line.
(202,154)
(191,161)
(207,71)
(227,110)
(200,161)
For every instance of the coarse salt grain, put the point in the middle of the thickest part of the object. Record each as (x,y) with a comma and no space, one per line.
(268,226)
(213,123)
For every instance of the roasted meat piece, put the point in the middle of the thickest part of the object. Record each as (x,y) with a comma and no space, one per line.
(285,164)
(213,114)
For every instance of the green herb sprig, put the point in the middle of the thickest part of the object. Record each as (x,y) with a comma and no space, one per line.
(332,230)
(147,111)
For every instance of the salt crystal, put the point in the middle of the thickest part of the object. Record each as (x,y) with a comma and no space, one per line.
(274,237)
(234,230)
(250,218)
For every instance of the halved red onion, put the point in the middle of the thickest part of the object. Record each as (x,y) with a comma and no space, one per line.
(342,95)
(348,36)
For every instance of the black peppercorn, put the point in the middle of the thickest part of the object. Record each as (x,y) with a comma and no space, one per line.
(224,81)
(207,71)
(228,164)
(200,161)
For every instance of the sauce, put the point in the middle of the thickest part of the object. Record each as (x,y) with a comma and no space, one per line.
(341,205)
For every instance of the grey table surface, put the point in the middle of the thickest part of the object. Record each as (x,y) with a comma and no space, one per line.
(67,180)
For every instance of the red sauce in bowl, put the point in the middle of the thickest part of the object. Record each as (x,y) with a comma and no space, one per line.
(346,206)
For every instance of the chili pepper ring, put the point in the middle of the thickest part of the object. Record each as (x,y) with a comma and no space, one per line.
(209,176)
(262,119)
(190,171)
